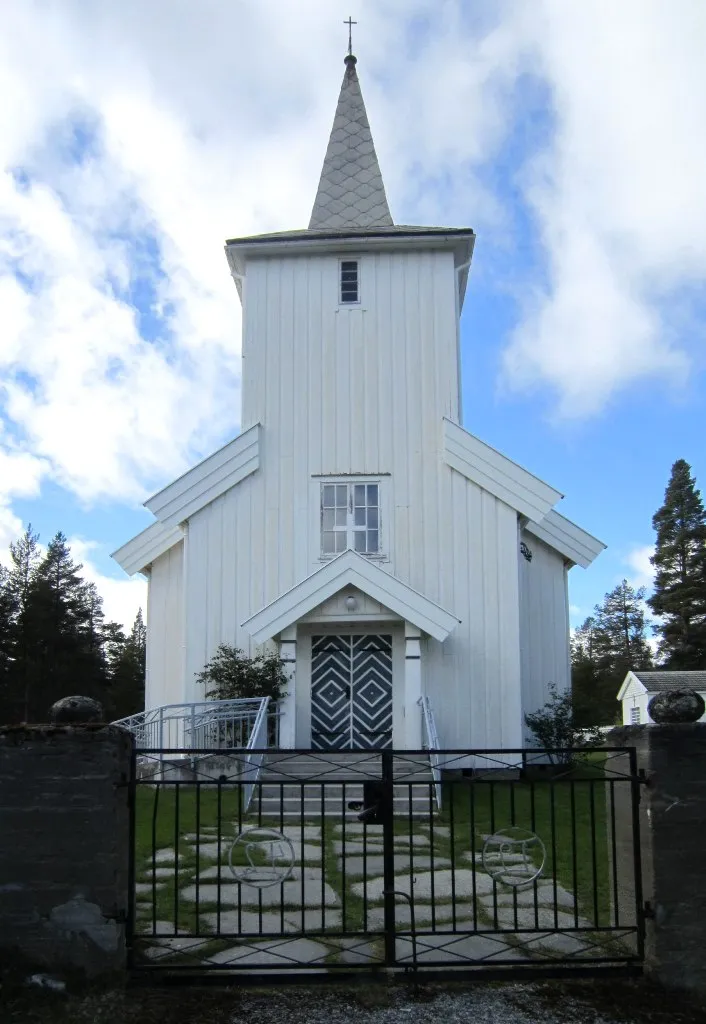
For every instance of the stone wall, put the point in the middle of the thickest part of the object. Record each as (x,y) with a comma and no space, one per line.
(64,846)
(673,832)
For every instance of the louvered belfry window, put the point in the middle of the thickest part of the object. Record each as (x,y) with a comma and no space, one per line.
(349,281)
(350,518)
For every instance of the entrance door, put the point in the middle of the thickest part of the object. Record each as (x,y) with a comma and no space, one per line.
(351,692)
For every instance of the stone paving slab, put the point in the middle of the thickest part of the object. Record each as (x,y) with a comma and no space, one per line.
(288,893)
(357,828)
(165,928)
(374,864)
(355,950)
(176,944)
(443,913)
(291,921)
(211,873)
(278,952)
(163,856)
(526,917)
(146,887)
(147,873)
(461,949)
(524,896)
(209,851)
(558,944)
(443,886)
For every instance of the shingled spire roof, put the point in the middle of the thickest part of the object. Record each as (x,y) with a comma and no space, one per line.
(351,192)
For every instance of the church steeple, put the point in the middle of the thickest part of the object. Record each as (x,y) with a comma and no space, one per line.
(351,192)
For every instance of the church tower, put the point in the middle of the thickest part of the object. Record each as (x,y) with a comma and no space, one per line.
(402,568)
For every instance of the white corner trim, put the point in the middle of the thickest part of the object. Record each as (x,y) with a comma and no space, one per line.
(497,474)
(208,480)
(142,550)
(567,538)
(350,569)
(630,678)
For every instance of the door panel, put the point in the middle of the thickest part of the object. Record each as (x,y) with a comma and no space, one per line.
(351,692)
(372,692)
(330,692)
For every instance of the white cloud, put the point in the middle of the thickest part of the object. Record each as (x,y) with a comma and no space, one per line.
(641,571)
(617,195)
(168,127)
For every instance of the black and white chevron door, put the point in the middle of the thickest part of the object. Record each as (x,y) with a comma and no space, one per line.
(351,692)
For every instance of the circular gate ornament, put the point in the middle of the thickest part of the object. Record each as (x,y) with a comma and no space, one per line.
(261,857)
(514,856)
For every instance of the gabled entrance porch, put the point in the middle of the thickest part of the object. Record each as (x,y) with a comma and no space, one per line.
(352,637)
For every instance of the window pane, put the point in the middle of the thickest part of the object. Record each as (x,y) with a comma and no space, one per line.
(341,515)
(349,264)
(341,496)
(340,541)
(359,540)
(327,519)
(372,518)
(359,517)
(359,494)
(328,542)
(329,495)
(372,494)
(372,541)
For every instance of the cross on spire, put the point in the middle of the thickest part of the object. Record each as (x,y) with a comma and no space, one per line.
(350,23)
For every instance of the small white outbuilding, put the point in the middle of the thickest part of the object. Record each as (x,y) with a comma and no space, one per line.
(639,688)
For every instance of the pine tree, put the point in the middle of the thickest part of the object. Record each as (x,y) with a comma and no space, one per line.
(7,645)
(584,672)
(128,671)
(679,596)
(604,649)
(23,639)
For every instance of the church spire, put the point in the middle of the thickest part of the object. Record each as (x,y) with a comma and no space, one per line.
(351,192)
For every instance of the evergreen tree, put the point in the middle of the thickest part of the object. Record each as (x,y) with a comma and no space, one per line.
(584,672)
(128,671)
(22,637)
(604,649)
(7,616)
(679,596)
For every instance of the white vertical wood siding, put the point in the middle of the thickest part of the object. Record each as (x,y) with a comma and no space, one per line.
(165,630)
(544,624)
(363,391)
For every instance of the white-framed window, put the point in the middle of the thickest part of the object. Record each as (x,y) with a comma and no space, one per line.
(350,517)
(634,716)
(349,282)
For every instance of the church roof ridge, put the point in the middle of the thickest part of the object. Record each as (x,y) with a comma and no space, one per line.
(351,191)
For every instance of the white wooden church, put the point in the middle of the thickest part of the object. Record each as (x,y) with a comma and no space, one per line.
(353,524)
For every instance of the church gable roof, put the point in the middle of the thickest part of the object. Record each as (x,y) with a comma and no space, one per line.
(142,550)
(351,191)
(567,538)
(350,569)
(208,480)
(497,474)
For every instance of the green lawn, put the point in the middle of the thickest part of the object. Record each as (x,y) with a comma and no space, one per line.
(568,814)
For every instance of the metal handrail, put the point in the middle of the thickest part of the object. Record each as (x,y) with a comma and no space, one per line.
(430,742)
(212,724)
(256,753)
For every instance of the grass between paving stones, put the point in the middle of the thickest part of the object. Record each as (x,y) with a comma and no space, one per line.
(164,817)
(573,828)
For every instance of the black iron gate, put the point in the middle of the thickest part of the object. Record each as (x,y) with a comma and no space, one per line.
(325,863)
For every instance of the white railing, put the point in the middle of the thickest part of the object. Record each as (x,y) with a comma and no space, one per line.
(256,753)
(430,742)
(204,725)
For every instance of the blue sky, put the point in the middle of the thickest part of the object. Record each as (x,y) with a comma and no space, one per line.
(140,137)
